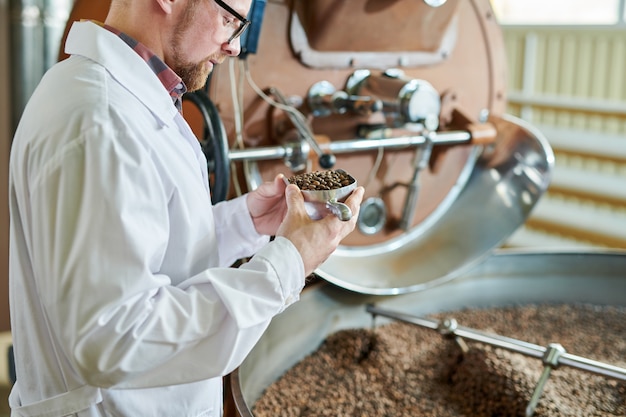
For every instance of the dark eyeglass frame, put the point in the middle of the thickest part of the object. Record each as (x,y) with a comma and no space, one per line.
(244,22)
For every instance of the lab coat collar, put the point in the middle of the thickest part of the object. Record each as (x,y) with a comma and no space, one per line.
(92,41)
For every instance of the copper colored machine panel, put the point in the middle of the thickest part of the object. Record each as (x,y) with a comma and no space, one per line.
(366,71)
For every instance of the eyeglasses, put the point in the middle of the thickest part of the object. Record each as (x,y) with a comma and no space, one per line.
(244,23)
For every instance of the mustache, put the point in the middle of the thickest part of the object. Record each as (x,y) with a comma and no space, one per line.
(216,58)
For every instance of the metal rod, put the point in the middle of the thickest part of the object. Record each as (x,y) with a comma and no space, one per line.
(514,345)
(534,400)
(524,348)
(420,162)
(298,123)
(551,361)
(257,154)
(592,366)
(353,145)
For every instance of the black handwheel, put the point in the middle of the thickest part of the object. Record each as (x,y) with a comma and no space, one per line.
(214,144)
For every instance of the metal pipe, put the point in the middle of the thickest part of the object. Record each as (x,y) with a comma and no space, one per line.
(353,145)
(55,16)
(26,57)
(37,28)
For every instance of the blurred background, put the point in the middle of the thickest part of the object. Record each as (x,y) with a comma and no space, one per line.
(566,75)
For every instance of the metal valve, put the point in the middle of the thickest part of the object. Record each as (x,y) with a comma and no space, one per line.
(405,101)
(326,160)
(324,99)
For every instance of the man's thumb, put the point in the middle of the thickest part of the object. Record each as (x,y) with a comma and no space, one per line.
(293,195)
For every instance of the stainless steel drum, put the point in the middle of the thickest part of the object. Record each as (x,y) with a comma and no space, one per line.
(506,182)
(504,279)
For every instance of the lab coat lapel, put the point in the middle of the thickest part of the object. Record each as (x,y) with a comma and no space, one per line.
(125,65)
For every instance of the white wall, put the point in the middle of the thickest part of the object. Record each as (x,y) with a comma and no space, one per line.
(569,83)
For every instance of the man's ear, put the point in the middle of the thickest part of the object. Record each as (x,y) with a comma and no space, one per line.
(166,6)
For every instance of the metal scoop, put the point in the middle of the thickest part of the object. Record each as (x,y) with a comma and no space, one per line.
(319,203)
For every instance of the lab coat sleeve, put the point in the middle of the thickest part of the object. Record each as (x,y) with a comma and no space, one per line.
(98,238)
(235,231)
(244,304)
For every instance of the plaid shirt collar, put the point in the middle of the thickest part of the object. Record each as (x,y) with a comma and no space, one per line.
(170,80)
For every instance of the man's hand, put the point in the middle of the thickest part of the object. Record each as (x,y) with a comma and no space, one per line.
(267,206)
(277,209)
(316,240)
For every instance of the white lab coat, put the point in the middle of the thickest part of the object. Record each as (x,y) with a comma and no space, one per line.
(122,299)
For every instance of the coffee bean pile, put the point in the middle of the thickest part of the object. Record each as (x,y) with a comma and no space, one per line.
(321,180)
(404,370)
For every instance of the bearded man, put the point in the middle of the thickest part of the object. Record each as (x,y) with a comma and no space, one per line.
(124,298)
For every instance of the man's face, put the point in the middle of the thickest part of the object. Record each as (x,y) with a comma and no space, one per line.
(201,41)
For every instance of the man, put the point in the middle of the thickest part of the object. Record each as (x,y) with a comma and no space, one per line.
(123,298)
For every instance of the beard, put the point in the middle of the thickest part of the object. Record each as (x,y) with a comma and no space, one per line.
(193,74)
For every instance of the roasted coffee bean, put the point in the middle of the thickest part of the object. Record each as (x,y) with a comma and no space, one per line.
(321,180)
(399,369)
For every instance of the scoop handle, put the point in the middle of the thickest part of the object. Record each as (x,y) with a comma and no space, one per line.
(341,210)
